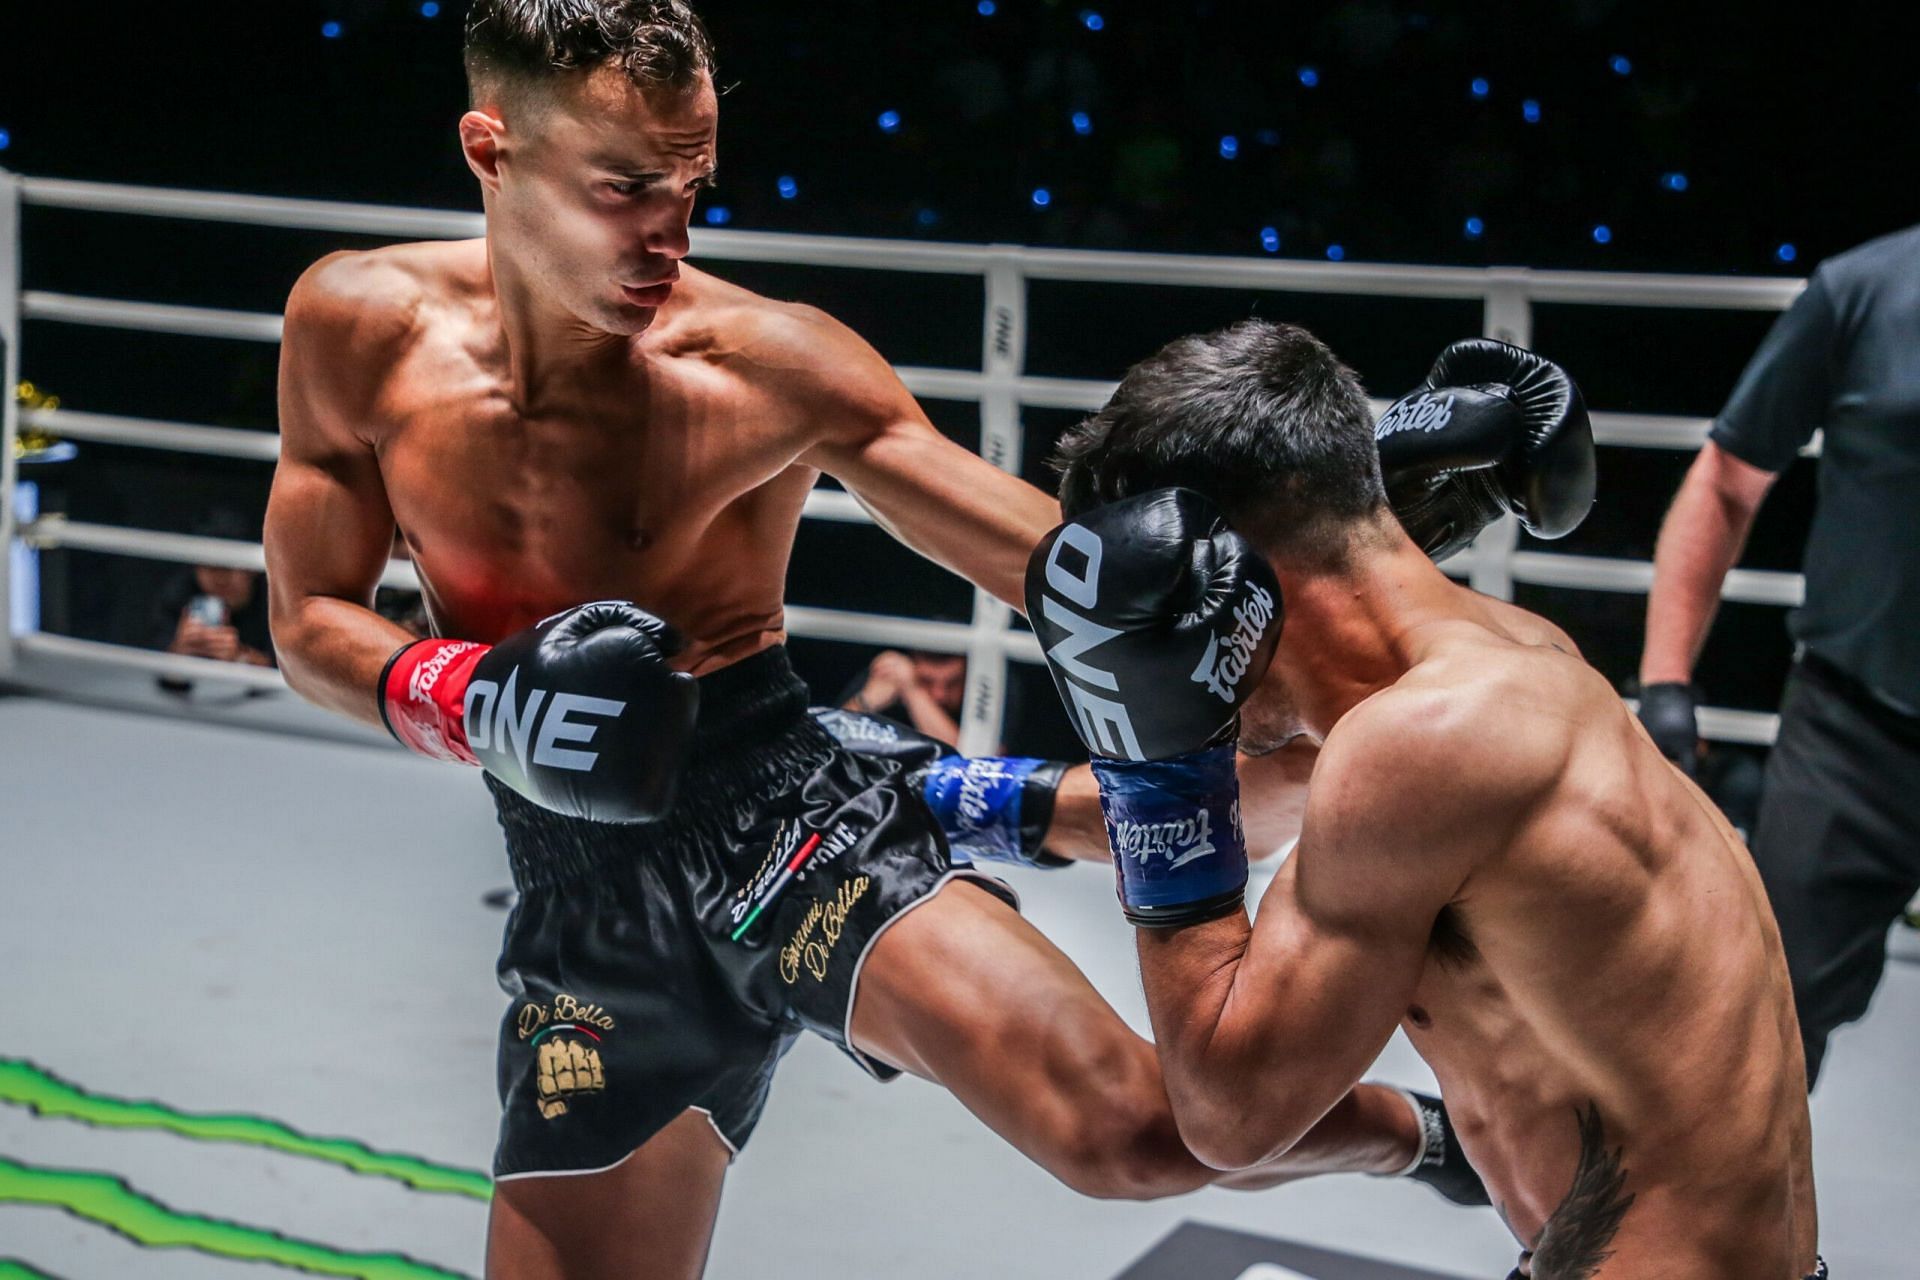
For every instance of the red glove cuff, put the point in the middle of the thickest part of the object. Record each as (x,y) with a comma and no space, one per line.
(423,694)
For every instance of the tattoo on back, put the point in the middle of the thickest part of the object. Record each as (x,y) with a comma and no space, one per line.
(1575,1240)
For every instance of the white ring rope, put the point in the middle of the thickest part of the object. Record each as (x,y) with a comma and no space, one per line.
(1000,387)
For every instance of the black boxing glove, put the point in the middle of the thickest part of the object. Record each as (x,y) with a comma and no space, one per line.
(1669,710)
(579,713)
(992,808)
(1494,429)
(1158,621)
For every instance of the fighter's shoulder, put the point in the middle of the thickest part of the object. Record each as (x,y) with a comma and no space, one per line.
(1462,733)
(373,295)
(789,348)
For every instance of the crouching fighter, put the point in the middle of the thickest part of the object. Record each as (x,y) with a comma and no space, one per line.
(1493,854)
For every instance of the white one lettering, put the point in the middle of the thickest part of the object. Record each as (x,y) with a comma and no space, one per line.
(1082,588)
(1079,635)
(556,728)
(496,721)
(477,713)
(1105,724)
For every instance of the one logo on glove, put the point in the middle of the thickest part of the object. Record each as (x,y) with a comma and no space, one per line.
(1226,661)
(1104,722)
(495,715)
(1427,411)
(1178,842)
(567,1069)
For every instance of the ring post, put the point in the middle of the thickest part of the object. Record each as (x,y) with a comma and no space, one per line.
(1004,343)
(1508,318)
(9,400)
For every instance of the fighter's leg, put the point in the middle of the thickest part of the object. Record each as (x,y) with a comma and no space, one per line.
(650,1215)
(963,991)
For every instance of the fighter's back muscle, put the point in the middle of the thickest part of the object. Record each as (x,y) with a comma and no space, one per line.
(664,472)
(1610,911)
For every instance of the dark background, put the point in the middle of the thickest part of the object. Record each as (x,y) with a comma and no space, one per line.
(1705,137)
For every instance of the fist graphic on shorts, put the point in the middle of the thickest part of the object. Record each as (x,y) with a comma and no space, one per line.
(567,1068)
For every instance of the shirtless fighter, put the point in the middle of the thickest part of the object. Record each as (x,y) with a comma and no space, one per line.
(1493,854)
(563,418)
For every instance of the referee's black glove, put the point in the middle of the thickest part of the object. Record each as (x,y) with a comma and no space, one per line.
(1668,711)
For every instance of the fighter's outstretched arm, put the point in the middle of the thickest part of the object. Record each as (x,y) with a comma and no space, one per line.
(941,499)
(1262,1028)
(329,528)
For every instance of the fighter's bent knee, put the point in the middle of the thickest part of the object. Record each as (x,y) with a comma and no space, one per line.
(1114,1136)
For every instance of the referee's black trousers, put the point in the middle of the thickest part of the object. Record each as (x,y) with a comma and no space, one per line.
(1838,842)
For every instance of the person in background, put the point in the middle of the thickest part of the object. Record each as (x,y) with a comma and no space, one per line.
(1838,835)
(925,690)
(213,611)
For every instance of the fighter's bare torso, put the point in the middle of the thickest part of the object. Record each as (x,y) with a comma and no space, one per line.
(1605,1000)
(667,470)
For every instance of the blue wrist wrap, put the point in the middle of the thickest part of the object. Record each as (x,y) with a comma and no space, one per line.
(977,801)
(1174,826)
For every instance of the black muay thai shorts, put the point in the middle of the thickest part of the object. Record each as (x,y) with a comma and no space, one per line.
(668,966)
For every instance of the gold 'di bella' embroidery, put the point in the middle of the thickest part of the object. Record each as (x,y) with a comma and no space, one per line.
(812,943)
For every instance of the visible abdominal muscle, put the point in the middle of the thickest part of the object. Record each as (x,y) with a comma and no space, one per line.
(1575,1240)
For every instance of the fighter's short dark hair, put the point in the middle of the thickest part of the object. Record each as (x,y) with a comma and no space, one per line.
(518,43)
(1260,417)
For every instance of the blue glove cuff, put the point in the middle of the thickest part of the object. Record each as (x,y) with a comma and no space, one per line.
(977,802)
(1174,827)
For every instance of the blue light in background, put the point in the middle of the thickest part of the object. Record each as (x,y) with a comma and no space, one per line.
(1786,252)
(986,8)
(1336,253)
(889,122)
(1621,64)
(430,9)
(718,215)
(788,187)
(1309,77)
(1474,227)
(1675,181)
(1530,111)
(1479,87)
(1602,233)
(6,139)
(1229,147)
(331,30)
(926,217)
(1091,20)
(1082,123)
(1270,239)
(1042,197)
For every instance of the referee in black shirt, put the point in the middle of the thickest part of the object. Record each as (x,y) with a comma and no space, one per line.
(1838,839)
